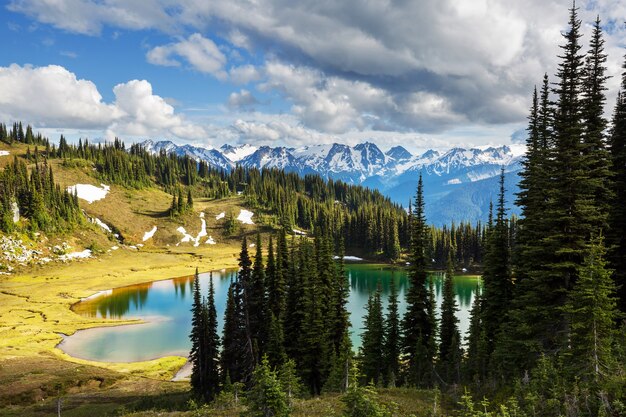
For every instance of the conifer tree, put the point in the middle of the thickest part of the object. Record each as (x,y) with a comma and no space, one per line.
(449,336)
(266,397)
(257,303)
(212,378)
(498,286)
(372,346)
(392,337)
(592,310)
(594,147)
(418,323)
(197,355)
(616,236)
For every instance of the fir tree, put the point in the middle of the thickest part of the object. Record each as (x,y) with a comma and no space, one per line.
(392,337)
(418,323)
(498,286)
(197,355)
(257,303)
(616,236)
(449,336)
(266,397)
(212,378)
(592,310)
(372,346)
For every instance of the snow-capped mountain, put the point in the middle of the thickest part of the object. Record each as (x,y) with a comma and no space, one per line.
(461,177)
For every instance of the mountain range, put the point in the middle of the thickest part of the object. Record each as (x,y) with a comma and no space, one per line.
(458,184)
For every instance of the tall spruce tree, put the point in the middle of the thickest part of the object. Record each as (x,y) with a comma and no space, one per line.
(616,236)
(594,146)
(418,329)
(449,336)
(373,337)
(257,303)
(197,355)
(498,286)
(592,310)
(392,337)
(212,376)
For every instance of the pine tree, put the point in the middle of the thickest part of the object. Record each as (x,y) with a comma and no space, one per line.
(418,322)
(449,336)
(212,378)
(372,345)
(498,286)
(266,397)
(592,310)
(392,337)
(197,356)
(616,236)
(257,303)
(594,149)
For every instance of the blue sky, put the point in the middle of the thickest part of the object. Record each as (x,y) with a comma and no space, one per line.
(431,74)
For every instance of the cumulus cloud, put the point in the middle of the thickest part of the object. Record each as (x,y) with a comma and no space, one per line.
(278,130)
(244,74)
(53,97)
(243,100)
(201,53)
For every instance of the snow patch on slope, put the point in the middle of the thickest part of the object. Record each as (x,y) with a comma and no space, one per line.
(102,224)
(4,153)
(88,192)
(149,234)
(245,216)
(220,216)
(188,238)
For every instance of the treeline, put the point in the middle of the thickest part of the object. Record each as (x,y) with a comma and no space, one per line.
(365,219)
(35,199)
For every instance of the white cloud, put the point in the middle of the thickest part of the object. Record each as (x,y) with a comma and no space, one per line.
(242,100)
(201,53)
(53,97)
(88,17)
(244,74)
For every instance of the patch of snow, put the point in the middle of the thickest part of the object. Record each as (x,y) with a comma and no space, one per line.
(245,217)
(188,238)
(298,232)
(252,245)
(4,153)
(454,181)
(133,247)
(239,192)
(102,224)
(220,216)
(210,241)
(16,212)
(202,214)
(88,192)
(76,255)
(349,258)
(115,247)
(140,245)
(149,234)
(464,269)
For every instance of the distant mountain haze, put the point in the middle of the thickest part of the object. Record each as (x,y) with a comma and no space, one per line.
(458,184)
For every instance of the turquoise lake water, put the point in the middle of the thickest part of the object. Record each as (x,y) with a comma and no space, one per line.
(165,306)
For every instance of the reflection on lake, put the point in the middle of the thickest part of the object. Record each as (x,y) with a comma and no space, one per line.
(166,305)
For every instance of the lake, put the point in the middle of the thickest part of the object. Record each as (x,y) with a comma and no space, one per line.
(165,307)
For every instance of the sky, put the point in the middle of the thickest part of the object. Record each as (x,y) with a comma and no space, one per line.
(424,74)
